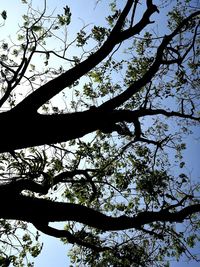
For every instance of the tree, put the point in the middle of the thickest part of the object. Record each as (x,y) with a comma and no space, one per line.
(124,188)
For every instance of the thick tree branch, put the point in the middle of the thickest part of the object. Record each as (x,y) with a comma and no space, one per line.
(39,129)
(41,211)
(48,129)
(15,187)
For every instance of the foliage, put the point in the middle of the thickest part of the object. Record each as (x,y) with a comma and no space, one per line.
(20,242)
(143,95)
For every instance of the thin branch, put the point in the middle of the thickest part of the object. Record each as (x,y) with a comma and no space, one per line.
(55,54)
(133,12)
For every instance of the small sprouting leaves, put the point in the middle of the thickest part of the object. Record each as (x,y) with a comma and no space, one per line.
(81,38)
(65,19)
(99,33)
(96,76)
(4,46)
(112,18)
(4,14)
(67,11)
(32,67)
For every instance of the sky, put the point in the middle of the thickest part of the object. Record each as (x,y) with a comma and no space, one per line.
(55,252)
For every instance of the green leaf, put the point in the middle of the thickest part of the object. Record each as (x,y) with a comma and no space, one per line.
(66,18)
(4,15)
(36,28)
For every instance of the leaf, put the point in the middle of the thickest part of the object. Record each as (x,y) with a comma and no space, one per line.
(182,164)
(36,28)
(32,67)
(47,55)
(66,18)
(96,76)
(67,11)
(4,15)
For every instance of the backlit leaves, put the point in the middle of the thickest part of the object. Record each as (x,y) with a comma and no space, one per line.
(4,14)
(65,19)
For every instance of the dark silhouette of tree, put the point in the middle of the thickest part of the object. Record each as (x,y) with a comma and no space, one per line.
(135,90)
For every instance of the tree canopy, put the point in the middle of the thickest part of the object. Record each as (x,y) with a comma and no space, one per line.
(94,128)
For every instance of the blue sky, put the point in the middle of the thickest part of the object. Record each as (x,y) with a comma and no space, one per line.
(54,252)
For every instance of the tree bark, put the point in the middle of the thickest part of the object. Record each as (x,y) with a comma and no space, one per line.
(27,130)
(41,211)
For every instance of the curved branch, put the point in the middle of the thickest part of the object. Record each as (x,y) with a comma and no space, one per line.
(48,129)
(132,116)
(43,211)
(149,112)
(46,229)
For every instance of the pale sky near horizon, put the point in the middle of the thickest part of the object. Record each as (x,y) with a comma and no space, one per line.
(55,252)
